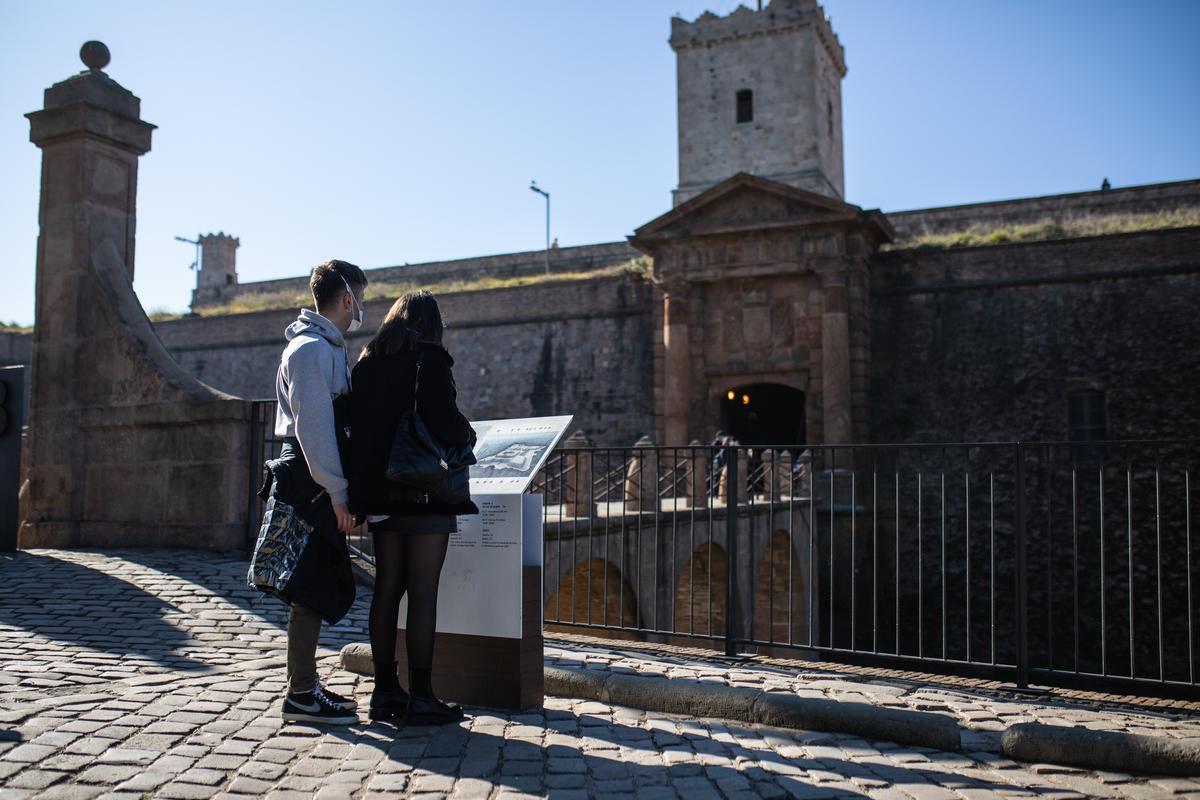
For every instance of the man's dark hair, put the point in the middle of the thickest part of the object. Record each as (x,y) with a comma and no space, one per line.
(328,280)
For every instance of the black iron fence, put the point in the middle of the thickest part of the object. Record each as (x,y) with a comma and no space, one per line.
(1056,563)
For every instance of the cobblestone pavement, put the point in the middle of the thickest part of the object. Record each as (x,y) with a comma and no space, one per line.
(157,674)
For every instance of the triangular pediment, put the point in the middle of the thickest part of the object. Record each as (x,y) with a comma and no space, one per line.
(746,203)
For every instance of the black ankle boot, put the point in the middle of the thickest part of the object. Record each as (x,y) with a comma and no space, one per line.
(423,707)
(388,700)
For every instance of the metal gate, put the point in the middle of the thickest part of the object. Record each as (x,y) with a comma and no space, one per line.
(12,419)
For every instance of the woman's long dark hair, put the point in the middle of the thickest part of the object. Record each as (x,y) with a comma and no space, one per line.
(414,318)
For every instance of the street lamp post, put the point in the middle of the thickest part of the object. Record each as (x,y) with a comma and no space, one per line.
(535,188)
(195,264)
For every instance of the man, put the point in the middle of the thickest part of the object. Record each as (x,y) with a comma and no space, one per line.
(313,373)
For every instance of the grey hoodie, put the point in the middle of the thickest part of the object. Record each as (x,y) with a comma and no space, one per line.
(312,372)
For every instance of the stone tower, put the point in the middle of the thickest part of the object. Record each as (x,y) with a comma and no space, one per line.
(760,92)
(218,261)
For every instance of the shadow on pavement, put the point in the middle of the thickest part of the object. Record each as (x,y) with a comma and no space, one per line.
(73,604)
(460,753)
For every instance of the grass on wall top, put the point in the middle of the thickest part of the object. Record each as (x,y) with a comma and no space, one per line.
(288,298)
(1049,229)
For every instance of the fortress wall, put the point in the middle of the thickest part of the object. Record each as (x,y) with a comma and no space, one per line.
(1001,334)
(580,347)
(506,265)
(1152,198)
(15,348)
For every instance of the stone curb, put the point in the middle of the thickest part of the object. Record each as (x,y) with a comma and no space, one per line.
(699,699)
(778,709)
(1106,750)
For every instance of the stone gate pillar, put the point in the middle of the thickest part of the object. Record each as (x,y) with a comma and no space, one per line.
(126,448)
(835,359)
(676,368)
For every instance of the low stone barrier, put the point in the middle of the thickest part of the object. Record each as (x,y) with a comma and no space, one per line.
(1107,750)
(779,709)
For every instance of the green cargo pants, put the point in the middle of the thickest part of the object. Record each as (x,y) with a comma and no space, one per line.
(304,629)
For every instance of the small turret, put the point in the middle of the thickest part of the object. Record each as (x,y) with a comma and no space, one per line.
(218,261)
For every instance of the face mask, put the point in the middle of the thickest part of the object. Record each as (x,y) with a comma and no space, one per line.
(359,312)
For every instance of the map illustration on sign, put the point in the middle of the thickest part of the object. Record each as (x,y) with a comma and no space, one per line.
(509,452)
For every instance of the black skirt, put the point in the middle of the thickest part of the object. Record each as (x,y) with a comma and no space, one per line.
(417,523)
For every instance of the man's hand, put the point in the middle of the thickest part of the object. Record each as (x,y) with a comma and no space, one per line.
(345,520)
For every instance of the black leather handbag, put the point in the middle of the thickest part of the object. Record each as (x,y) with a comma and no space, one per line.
(418,462)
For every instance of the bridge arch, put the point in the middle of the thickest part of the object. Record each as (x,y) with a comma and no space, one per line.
(780,593)
(594,592)
(700,593)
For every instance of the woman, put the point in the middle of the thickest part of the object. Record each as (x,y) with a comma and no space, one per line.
(410,538)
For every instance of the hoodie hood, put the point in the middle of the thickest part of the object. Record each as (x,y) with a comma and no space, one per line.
(310,321)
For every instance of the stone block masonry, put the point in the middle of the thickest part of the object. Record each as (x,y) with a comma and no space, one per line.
(574,347)
(125,446)
(760,92)
(1003,334)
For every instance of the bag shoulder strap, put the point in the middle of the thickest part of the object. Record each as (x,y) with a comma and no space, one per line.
(417,380)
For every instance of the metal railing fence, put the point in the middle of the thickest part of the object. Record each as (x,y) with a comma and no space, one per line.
(1052,562)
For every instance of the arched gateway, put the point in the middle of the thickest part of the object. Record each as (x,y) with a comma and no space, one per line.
(761,284)
(763,414)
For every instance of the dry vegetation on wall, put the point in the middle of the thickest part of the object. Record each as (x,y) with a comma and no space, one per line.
(637,268)
(13,327)
(1046,229)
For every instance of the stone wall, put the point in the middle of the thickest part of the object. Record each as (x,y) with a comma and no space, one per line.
(997,333)
(506,265)
(984,343)
(15,348)
(1151,198)
(578,347)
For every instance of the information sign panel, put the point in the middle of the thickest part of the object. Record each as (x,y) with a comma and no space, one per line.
(481,586)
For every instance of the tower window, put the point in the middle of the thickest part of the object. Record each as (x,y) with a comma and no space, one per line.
(228,280)
(1086,423)
(829,115)
(745,106)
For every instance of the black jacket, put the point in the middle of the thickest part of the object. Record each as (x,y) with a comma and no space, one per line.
(383,391)
(323,580)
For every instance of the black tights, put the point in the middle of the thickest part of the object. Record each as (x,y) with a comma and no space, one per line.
(412,563)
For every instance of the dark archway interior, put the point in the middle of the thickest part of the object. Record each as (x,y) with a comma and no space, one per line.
(763,414)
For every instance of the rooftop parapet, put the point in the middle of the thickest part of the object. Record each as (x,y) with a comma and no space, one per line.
(742,23)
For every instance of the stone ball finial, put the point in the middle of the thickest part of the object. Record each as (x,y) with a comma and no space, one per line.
(95,54)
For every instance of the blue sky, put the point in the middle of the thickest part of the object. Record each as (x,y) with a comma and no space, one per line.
(392,132)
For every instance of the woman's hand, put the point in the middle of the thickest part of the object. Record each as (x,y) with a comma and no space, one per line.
(345,520)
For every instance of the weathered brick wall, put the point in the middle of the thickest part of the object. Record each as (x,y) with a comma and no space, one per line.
(572,348)
(984,343)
